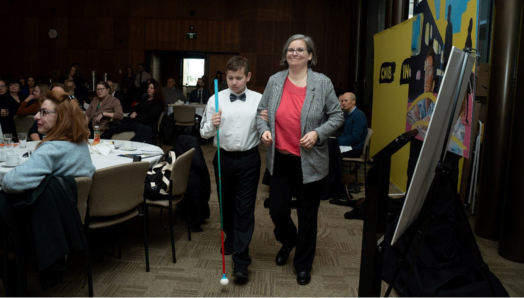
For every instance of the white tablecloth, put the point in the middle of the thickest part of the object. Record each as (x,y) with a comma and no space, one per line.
(199,109)
(100,161)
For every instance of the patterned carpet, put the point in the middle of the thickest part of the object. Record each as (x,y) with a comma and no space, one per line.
(199,267)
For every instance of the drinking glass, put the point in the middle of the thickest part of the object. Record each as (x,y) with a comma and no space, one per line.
(22,138)
(8,141)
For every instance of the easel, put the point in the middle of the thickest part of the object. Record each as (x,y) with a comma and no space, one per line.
(375,216)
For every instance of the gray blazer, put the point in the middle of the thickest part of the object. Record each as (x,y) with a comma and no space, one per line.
(321,112)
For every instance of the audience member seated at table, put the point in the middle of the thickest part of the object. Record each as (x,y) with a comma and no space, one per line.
(31,104)
(63,152)
(119,95)
(8,108)
(223,85)
(172,93)
(33,133)
(355,126)
(144,119)
(103,108)
(28,88)
(200,94)
(80,90)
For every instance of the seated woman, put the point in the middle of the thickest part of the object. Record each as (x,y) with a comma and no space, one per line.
(103,108)
(63,152)
(32,103)
(8,108)
(149,108)
(33,133)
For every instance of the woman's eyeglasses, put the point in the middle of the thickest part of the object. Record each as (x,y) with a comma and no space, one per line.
(44,112)
(299,51)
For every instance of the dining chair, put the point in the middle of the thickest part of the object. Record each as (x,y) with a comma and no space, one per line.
(184,115)
(123,136)
(178,185)
(83,185)
(115,194)
(23,124)
(363,157)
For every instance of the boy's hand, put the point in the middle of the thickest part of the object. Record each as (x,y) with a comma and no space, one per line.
(216,118)
(266,138)
(263,115)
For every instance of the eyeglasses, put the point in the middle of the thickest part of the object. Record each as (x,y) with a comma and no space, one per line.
(44,112)
(299,51)
(100,89)
(3,86)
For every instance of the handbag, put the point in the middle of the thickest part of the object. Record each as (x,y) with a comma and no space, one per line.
(158,178)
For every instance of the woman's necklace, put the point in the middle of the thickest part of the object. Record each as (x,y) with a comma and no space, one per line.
(298,83)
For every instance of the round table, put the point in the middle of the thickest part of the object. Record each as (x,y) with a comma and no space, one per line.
(149,153)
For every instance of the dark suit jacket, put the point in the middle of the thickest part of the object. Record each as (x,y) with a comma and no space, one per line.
(205,96)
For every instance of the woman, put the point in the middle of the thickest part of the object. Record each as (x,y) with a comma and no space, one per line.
(218,76)
(64,151)
(29,87)
(103,107)
(302,112)
(33,133)
(32,103)
(149,108)
(8,108)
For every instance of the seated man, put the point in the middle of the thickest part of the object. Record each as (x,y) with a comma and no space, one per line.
(355,126)
(200,94)
(172,93)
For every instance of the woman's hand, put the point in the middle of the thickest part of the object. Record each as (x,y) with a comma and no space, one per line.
(4,112)
(99,117)
(266,138)
(133,115)
(263,115)
(29,98)
(216,118)
(309,140)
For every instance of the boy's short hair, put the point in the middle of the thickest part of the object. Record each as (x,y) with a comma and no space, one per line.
(236,63)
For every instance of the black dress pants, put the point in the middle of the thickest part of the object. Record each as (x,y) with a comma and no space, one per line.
(287,175)
(240,173)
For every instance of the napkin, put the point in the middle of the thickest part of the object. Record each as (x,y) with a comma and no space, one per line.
(102,148)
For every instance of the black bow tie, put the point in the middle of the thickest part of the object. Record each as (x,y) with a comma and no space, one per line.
(234,97)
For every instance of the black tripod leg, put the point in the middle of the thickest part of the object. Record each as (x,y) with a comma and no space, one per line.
(460,209)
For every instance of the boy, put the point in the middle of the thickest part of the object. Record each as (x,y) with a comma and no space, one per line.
(239,159)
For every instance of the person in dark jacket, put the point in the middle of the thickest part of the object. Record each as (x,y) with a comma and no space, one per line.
(355,126)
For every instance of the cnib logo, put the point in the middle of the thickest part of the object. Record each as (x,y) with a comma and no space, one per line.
(387,72)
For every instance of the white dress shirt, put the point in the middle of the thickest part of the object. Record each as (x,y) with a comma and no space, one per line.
(238,126)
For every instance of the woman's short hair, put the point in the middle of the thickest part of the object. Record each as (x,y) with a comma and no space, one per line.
(158,94)
(104,83)
(14,81)
(43,91)
(57,85)
(310,44)
(70,122)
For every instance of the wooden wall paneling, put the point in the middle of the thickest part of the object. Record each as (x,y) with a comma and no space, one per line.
(137,8)
(121,33)
(265,64)
(317,11)
(274,10)
(61,24)
(136,33)
(105,63)
(216,62)
(62,60)
(296,28)
(97,8)
(44,24)
(83,33)
(158,9)
(264,37)
(318,31)
(299,10)
(105,33)
(210,10)
(248,10)
(120,62)
(30,32)
(46,63)
(121,8)
(248,40)
(16,34)
(281,33)
(136,57)
(222,36)
(252,59)
(31,62)
(340,11)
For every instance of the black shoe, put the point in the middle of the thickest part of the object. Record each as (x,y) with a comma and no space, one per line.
(240,271)
(349,203)
(304,277)
(283,255)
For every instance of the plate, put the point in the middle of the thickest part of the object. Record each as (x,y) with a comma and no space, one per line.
(132,149)
(9,166)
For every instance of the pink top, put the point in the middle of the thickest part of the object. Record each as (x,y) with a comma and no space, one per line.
(287,119)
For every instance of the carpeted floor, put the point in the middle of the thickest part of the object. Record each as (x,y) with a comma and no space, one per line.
(199,267)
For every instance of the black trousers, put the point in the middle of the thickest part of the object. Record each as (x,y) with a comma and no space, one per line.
(287,175)
(240,173)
